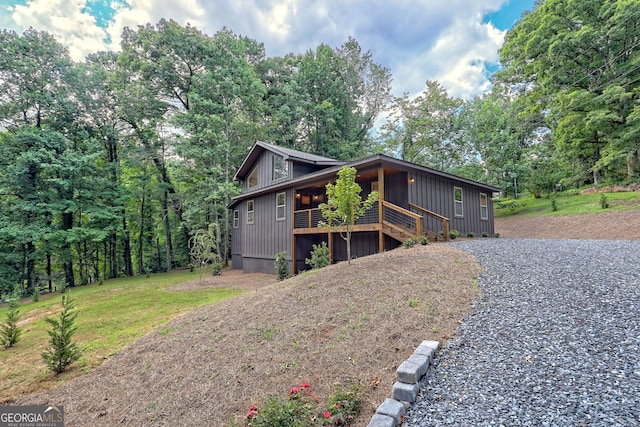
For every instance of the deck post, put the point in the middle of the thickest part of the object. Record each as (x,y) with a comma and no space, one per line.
(330,239)
(380,211)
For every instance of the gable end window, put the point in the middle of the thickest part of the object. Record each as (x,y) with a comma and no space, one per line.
(457,202)
(252,180)
(281,203)
(250,207)
(279,168)
(236,219)
(484,210)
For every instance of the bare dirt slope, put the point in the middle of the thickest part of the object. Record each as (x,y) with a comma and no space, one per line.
(622,225)
(343,322)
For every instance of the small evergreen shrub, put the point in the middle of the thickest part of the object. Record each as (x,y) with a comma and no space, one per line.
(216,269)
(62,351)
(9,330)
(319,256)
(485,234)
(36,293)
(497,235)
(409,243)
(454,234)
(604,201)
(282,265)
(554,204)
(423,240)
(471,234)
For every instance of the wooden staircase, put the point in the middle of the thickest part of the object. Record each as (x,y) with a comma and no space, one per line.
(402,224)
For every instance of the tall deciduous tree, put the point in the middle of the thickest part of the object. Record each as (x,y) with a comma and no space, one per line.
(424,129)
(345,205)
(578,60)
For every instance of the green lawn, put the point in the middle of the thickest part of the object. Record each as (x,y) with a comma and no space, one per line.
(567,204)
(110,317)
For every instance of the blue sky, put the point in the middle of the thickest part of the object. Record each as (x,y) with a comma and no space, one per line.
(455,42)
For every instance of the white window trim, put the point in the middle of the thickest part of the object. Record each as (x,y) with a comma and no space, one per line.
(236,218)
(283,206)
(484,213)
(456,202)
(251,213)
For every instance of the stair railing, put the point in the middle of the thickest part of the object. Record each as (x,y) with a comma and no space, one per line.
(434,216)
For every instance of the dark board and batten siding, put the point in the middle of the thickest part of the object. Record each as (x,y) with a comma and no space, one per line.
(263,239)
(265,170)
(437,195)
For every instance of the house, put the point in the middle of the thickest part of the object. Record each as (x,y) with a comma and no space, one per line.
(282,188)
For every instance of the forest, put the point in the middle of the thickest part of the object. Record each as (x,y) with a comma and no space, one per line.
(110,166)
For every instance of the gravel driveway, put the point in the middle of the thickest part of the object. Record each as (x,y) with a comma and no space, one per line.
(553,341)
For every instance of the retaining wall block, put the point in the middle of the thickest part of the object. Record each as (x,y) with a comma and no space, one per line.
(393,409)
(406,392)
(408,372)
(422,361)
(379,420)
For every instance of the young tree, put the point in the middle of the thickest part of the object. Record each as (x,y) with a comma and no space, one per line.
(345,205)
(62,351)
(9,330)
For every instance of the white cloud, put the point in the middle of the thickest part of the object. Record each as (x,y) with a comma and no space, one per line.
(417,40)
(65,20)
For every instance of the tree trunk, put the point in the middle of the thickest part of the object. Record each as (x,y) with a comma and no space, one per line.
(633,164)
(143,227)
(126,253)
(67,224)
(167,230)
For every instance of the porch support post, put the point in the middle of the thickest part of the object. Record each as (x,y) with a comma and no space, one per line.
(330,239)
(294,264)
(380,212)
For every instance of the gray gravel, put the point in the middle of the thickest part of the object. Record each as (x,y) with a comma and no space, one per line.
(553,341)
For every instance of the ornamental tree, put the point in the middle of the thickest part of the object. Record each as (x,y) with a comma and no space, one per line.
(345,205)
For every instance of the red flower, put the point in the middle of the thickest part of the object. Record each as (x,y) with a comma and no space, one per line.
(253,411)
(337,406)
(253,408)
(305,385)
(327,414)
(294,390)
(309,394)
(316,399)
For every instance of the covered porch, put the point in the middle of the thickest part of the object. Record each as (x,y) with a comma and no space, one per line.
(388,223)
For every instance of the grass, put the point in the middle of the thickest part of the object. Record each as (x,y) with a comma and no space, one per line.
(567,204)
(110,317)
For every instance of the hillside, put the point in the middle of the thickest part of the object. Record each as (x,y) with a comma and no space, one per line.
(617,225)
(344,322)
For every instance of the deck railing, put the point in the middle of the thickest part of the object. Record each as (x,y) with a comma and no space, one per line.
(434,224)
(311,218)
(415,221)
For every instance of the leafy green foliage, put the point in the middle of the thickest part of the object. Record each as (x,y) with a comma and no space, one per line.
(62,351)
(9,330)
(319,256)
(604,201)
(282,265)
(303,409)
(454,234)
(345,205)
(409,243)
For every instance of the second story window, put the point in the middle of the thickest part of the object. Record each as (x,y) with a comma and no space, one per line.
(279,168)
(252,181)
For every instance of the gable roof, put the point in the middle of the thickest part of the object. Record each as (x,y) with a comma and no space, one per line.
(381,159)
(287,153)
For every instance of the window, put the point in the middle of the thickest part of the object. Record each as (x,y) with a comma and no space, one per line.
(281,202)
(457,201)
(252,181)
(250,212)
(484,210)
(279,168)
(236,219)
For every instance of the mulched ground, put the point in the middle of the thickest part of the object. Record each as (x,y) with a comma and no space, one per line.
(349,321)
(622,225)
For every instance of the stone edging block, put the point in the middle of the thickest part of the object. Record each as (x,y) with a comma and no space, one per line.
(391,411)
